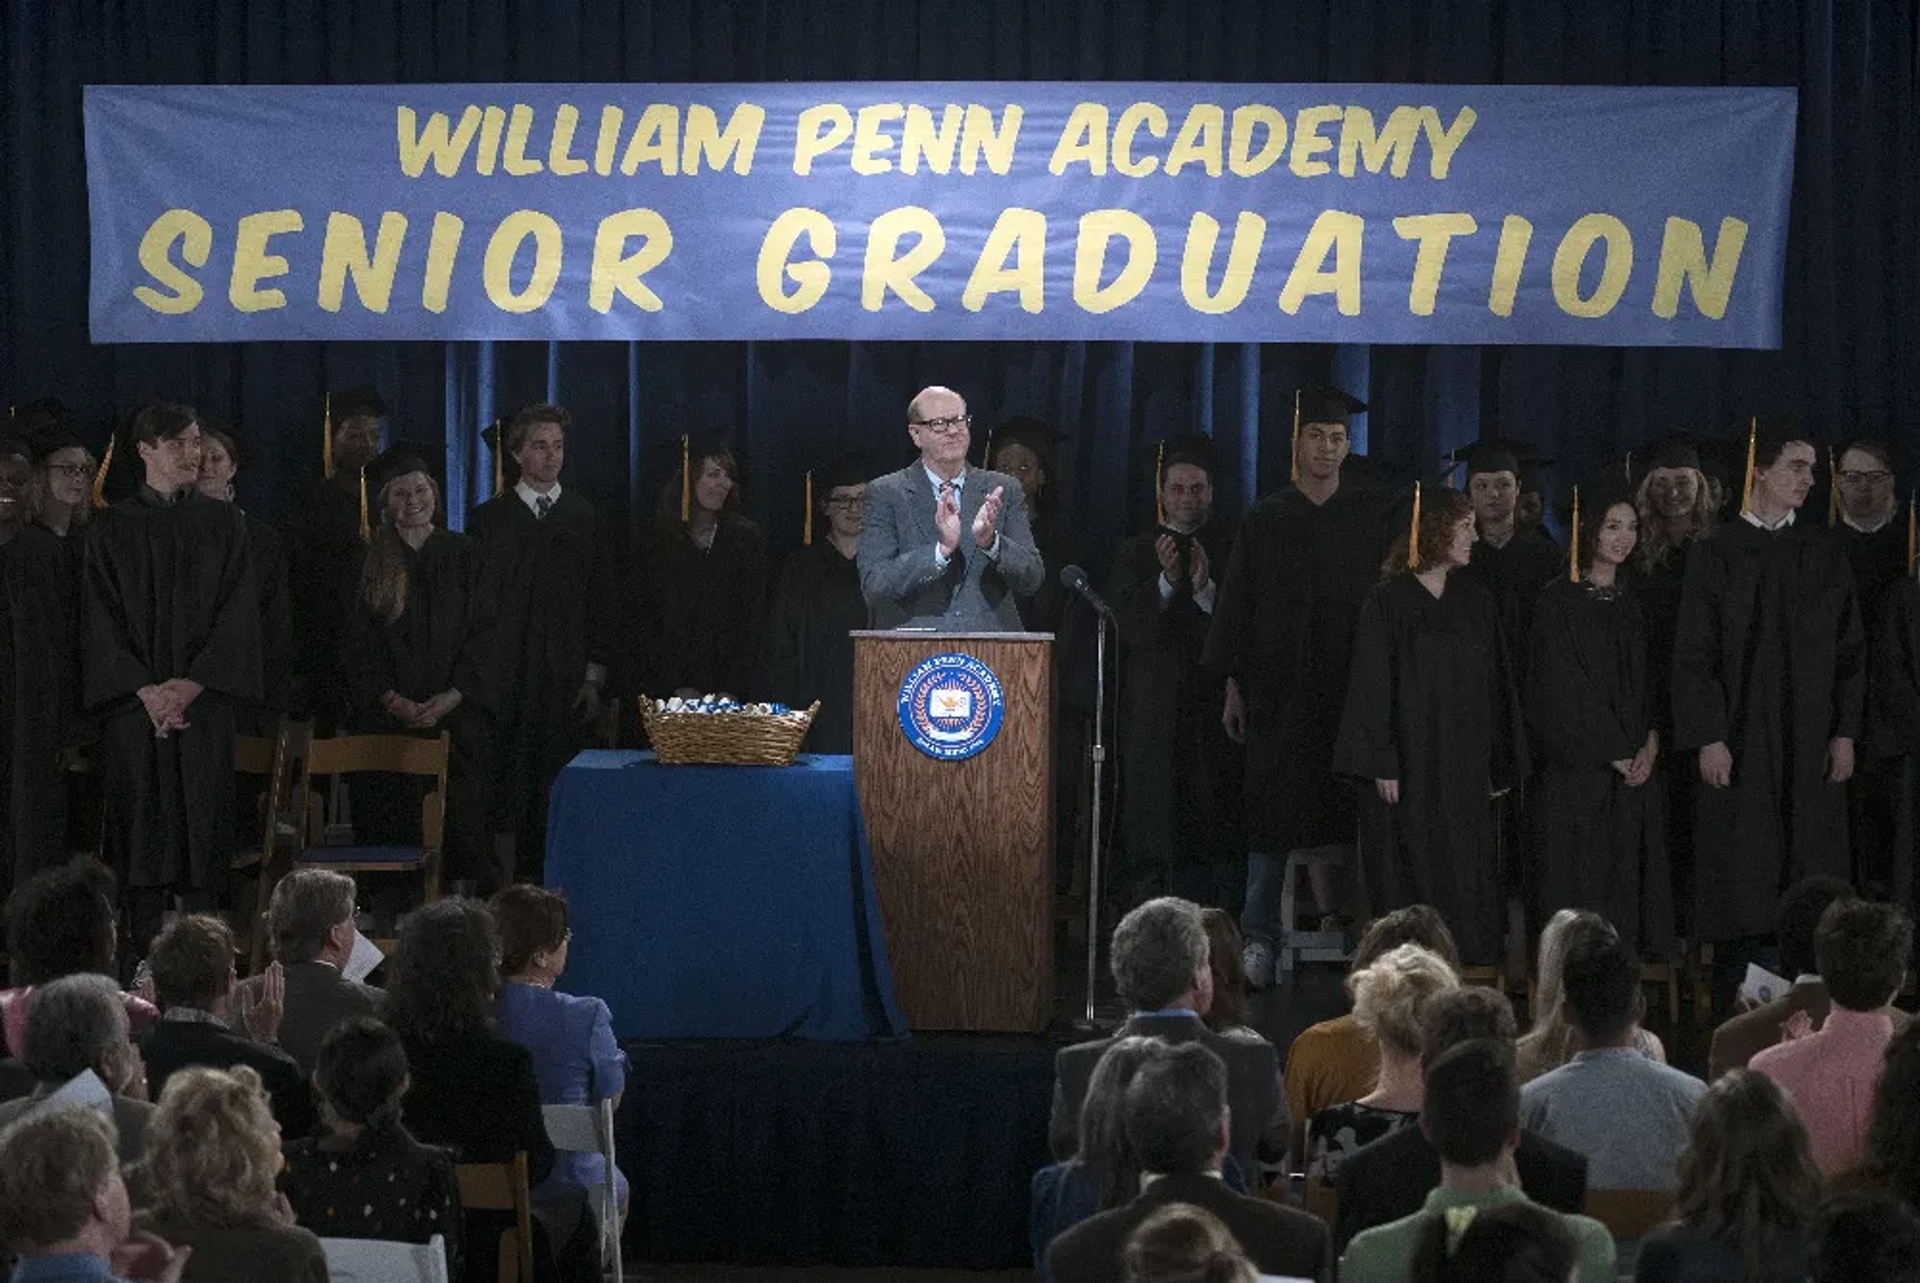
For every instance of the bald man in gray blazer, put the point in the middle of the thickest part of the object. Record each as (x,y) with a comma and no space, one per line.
(942,541)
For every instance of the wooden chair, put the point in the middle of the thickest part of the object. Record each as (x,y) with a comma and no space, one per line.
(271,759)
(502,1187)
(394,755)
(1630,1213)
(1665,974)
(1323,1201)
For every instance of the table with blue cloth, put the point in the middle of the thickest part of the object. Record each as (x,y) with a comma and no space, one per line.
(721,901)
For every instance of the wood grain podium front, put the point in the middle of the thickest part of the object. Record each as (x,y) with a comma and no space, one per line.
(962,850)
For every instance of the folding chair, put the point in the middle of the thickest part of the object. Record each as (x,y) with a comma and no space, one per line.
(271,759)
(588,1129)
(1323,1201)
(1630,1213)
(394,755)
(365,1260)
(502,1187)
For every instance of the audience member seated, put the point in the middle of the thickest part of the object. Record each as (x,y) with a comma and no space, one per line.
(212,1155)
(1185,1244)
(1391,1178)
(1230,1012)
(1336,1061)
(79,1023)
(1892,1162)
(1629,1114)
(1472,1115)
(1830,1073)
(64,1207)
(1388,998)
(1517,1243)
(367,1177)
(1176,1118)
(193,977)
(1867,1238)
(1747,1195)
(1737,1040)
(311,920)
(1551,1041)
(61,922)
(1159,961)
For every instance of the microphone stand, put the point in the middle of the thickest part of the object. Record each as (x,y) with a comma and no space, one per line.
(1093,836)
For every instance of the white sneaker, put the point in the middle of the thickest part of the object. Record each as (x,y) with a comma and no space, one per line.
(1257,957)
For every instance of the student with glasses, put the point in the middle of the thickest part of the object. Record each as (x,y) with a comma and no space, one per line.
(809,653)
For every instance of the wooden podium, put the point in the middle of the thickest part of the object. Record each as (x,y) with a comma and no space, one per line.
(962,850)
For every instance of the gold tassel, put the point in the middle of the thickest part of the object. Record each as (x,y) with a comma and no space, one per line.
(1573,543)
(100,474)
(806,536)
(326,438)
(1293,474)
(1159,467)
(499,457)
(1413,532)
(686,480)
(1753,442)
(986,456)
(366,529)
(1453,466)
(1833,488)
(1629,467)
(1913,546)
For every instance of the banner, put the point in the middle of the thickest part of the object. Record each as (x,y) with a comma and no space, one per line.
(1005,210)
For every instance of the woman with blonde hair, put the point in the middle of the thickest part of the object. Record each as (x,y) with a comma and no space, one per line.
(1181,1243)
(1388,999)
(1551,1041)
(213,1153)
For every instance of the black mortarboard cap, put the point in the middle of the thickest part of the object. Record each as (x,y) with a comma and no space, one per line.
(1673,452)
(402,457)
(344,403)
(1883,448)
(1195,448)
(49,438)
(849,468)
(1492,454)
(1323,403)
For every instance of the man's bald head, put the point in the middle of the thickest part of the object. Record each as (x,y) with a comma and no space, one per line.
(937,423)
(935,403)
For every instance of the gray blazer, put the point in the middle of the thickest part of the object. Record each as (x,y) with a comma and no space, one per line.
(318,999)
(897,542)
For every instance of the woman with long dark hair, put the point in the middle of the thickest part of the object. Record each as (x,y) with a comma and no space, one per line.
(1102,1174)
(705,582)
(1432,729)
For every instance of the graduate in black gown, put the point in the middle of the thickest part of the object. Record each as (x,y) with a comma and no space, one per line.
(1769,672)
(1022,448)
(705,576)
(418,660)
(1599,841)
(1432,731)
(1511,559)
(219,465)
(546,565)
(1181,776)
(1282,636)
(323,540)
(38,696)
(172,655)
(817,606)
(1893,722)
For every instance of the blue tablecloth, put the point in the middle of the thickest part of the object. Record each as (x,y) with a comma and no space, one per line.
(721,901)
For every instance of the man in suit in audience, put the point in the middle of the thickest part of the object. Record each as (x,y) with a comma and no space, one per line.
(192,961)
(1391,1178)
(942,541)
(1160,965)
(1176,1116)
(311,918)
(79,1024)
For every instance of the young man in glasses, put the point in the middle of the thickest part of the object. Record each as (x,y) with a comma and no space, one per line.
(809,647)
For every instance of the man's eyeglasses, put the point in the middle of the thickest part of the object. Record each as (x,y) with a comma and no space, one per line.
(1852,477)
(847,503)
(953,423)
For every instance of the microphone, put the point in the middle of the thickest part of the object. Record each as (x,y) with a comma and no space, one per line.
(1074,580)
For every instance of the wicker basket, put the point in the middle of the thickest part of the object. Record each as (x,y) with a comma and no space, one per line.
(725,739)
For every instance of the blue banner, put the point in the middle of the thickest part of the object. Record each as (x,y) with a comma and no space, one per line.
(1008,210)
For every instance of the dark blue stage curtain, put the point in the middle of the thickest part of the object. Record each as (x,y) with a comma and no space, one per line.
(1853,287)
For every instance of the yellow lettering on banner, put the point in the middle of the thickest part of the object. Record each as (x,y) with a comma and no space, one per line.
(1083,141)
(1241,159)
(1683,260)
(735,143)
(344,253)
(445,144)
(1154,117)
(183,292)
(253,263)
(883,271)
(1571,257)
(980,136)
(920,140)
(1445,139)
(1196,263)
(1333,232)
(493,123)
(1023,234)
(1200,141)
(1516,233)
(656,139)
(1434,232)
(1307,142)
(818,131)
(869,140)
(559,160)
(496,270)
(515,160)
(1097,229)
(776,253)
(616,270)
(608,141)
(443,247)
(1390,149)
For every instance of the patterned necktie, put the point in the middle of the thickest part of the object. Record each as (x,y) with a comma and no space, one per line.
(542,506)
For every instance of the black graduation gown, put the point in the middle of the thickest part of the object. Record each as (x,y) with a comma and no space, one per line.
(276,626)
(1043,611)
(1675,774)
(707,608)
(1874,814)
(1289,601)
(1893,727)
(809,649)
(547,579)
(39,695)
(443,640)
(325,548)
(1878,561)
(1181,777)
(1599,844)
(1432,703)
(1770,659)
(170,593)
(1515,575)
